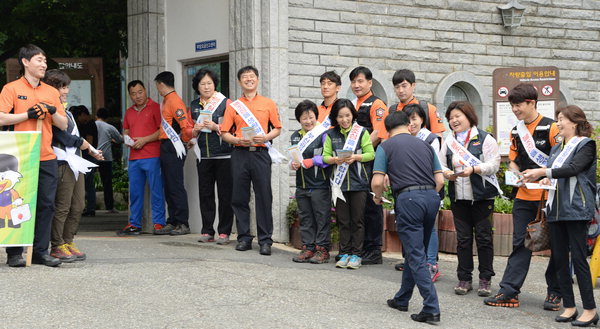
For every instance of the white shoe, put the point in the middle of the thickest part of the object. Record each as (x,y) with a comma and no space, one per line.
(343,262)
(354,263)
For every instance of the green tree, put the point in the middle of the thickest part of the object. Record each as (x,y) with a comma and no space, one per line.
(68,28)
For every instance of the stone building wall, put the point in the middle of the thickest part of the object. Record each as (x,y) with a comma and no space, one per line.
(435,38)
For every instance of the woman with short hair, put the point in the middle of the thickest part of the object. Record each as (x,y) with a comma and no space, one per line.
(472,158)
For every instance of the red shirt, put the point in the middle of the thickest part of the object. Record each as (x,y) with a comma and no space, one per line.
(143,123)
(20,96)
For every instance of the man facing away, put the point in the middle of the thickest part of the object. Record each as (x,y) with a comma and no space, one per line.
(176,129)
(107,135)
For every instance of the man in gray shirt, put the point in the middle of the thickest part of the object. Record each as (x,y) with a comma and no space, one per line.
(107,134)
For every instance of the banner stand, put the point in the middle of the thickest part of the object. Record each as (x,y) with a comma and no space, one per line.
(29,249)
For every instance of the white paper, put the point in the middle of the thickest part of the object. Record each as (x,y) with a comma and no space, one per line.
(295,154)
(343,154)
(20,214)
(93,150)
(382,199)
(128,140)
(205,115)
(511,178)
(537,186)
(248,133)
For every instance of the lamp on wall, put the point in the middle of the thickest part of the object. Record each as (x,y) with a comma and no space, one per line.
(512,13)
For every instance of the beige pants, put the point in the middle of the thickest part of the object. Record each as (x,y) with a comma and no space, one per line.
(69,204)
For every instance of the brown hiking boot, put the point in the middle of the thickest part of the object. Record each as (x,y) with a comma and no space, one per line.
(62,252)
(304,256)
(321,256)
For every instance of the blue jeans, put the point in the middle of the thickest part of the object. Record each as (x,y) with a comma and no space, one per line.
(432,247)
(415,218)
(142,171)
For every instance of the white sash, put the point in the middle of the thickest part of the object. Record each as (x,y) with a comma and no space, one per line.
(312,135)
(559,162)
(214,102)
(469,159)
(170,132)
(537,156)
(251,121)
(76,163)
(423,134)
(340,172)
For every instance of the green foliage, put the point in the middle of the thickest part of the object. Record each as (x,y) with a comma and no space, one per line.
(387,193)
(291,213)
(68,28)
(446,203)
(503,206)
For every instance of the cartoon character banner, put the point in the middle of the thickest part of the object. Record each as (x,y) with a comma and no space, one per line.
(19,169)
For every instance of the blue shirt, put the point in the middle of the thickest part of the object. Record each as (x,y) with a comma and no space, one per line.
(408,161)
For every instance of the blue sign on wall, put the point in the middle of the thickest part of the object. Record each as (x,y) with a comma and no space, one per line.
(206,45)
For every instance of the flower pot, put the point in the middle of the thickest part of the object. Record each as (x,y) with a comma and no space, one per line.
(295,239)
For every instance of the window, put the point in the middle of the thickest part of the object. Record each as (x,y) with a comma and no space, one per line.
(462,85)
(220,67)
(455,93)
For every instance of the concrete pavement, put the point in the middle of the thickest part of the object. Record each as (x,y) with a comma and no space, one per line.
(175,282)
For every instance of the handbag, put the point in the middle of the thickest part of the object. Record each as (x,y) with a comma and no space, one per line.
(537,237)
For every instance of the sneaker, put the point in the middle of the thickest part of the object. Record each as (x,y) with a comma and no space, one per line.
(372,257)
(304,256)
(206,238)
(321,256)
(343,262)
(399,266)
(463,287)
(165,230)
(181,229)
(552,302)
(354,263)
(62,252)
(434,271)
(75,251)
(484,289)
(223,239)
(502,300)
(130,230)
(157,227)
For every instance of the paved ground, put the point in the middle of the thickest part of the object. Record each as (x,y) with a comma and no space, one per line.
(176,282)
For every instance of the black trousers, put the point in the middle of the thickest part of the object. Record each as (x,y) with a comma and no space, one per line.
(518,262)
(211,171)
(106,173)
(571,236)
(252,167)
(314,210)
(474,217)
(350,219)
(44,211)
(90,191)
(373,226)
(171,167)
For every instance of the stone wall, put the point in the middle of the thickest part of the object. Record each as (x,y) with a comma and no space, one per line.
(437,37)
